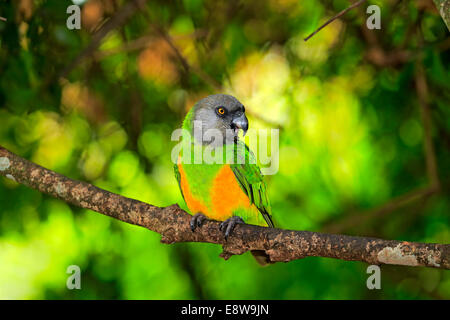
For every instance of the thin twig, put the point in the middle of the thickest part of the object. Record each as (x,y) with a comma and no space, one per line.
(434,185)
(3,19)
(186,65)
(359,218)
(340,14)
(171,44)
(421,84)
(138,44)
(206,78)
(117,20)
(430,161)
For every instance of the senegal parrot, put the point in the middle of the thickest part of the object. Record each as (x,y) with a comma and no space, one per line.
(229,191)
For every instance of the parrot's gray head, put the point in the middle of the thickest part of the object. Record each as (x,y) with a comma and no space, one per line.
(218,118)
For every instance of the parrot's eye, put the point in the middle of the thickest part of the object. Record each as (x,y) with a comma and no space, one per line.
(221,111)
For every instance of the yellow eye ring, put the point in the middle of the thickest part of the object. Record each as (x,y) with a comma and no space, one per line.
(221,111)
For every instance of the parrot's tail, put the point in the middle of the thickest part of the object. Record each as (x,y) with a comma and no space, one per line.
(261,257)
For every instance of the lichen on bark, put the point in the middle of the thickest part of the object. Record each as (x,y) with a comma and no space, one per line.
(443,6)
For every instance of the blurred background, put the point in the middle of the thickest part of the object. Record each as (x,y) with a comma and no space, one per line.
(364,123)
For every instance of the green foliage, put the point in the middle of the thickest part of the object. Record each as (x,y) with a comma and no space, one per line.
(352,139)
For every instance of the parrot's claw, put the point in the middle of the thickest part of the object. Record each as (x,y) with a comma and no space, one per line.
(228,225)
(197,220)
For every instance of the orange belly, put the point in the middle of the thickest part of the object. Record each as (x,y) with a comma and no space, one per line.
(225,198)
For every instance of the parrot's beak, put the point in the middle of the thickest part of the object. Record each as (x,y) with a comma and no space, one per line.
(240,122)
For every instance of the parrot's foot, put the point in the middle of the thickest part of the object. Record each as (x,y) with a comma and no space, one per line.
(197,220)
(228,225)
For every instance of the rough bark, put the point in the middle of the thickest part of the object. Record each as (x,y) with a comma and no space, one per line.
(443,7)
(173,225)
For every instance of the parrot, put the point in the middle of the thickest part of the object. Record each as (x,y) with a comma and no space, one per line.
(233,192)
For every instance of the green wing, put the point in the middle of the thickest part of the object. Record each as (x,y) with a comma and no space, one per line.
(251,180)
(178,177)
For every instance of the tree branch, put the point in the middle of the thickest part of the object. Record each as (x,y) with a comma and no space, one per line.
(434,185)
(206,78)
(443,7)
(173,225)
(357,219)
(340,14)
(128,10)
